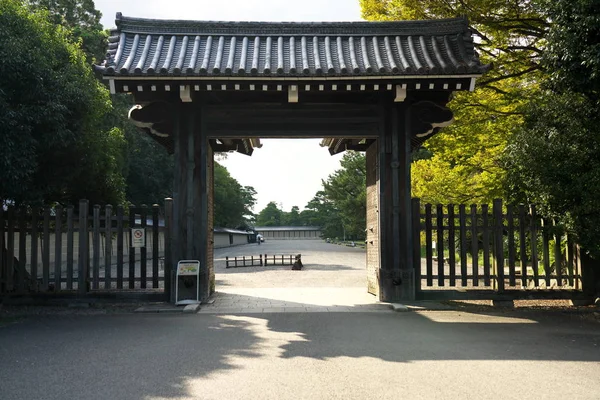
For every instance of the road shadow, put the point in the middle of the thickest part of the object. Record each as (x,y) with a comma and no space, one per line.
(170,356)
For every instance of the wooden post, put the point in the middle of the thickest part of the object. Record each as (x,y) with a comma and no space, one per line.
(451,245)
(499,244)
(155,233)
(191,188)
(475,245)
(143,249)
(558,255)
(416,225)
(131,277)
(546,228)
(120,239)
(46,251)
(21,273)
(534,255)
(439,214)
(462,217)
(486,245)
(3,271)
(523,244)
(169,292)
(58,248)
(35,214)
(428,244)
(96,247)
(70,247)
(511,244)
(108,247)
(82,263)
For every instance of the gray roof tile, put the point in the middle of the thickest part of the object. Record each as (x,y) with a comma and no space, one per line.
(144,47)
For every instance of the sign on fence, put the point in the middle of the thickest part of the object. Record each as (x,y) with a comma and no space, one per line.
(138,237)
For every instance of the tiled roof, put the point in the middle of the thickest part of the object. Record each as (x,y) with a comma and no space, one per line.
(145,47)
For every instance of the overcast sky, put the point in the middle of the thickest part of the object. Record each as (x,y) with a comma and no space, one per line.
(286,171)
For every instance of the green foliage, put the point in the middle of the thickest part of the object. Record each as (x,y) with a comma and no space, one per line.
(271,215)
(554,160)
(320,211)
(51,113)
(346,188)
(573,52)
(82,20)
(232,201)
(466,158)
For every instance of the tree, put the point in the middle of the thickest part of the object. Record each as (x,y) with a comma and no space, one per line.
(232,202)
(292,218)
(321,212)
(271,215)
(554,159)
(346,188)
(52,146)
(466,158)
(82,20)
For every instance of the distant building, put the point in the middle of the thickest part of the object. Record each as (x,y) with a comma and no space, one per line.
(289,232)
(224,237)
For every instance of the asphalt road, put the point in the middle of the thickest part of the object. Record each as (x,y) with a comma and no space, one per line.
(429,355)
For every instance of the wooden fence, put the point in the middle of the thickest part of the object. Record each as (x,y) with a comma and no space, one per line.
(511,247)
(56,250)
(259,261)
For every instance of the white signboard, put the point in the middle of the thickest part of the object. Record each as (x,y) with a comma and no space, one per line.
(188,268)
(138,237)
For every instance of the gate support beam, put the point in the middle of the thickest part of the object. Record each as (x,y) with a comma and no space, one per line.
(396,276)
(190,191)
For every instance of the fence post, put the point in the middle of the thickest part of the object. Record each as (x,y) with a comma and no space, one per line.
(21,273)
(83,248)
(168,250)
(499,244)
(58,248)
(70,249)
(108,247)
(155,233)
(416,227)
(96,246)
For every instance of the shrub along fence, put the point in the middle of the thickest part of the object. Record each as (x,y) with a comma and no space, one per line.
(52,250)
(473,250)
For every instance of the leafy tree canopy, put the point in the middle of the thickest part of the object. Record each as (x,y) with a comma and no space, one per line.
(51,113)
(465,164)
(233,202)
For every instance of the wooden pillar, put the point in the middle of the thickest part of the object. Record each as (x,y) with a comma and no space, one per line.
(396,275)
(190,192)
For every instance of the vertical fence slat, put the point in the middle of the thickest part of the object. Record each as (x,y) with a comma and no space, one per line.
(462,222)
(21,273)
(499,244)
(155,233)
(143,251)
(511,244)
(82,264)
(35,213)
(546,227)
(168,267)
(523,244)
(416,227)
(120,238)
(3,271)
(474,245)
(486,244)
(46,250)
(70,248)
(10,249)
(440,243)
(58,211)
(428,248)
(570,259)
(534,255)
(451,245)
(96,247)
(131,248)
(558,255)
(108,247)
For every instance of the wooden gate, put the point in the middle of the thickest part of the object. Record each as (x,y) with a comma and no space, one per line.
(469,252)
